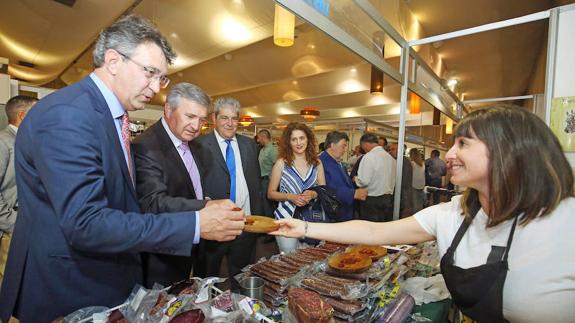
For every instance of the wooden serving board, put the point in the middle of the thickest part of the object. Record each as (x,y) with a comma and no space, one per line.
(260,224)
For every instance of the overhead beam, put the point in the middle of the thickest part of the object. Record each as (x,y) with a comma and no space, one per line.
(508,98)
(474,30)
(302,9)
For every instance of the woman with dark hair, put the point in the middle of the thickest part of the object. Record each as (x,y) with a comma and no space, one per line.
(506,244)
(297,169)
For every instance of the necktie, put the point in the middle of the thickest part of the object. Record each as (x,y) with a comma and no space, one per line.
(192,169)
(126,142)
(231,163)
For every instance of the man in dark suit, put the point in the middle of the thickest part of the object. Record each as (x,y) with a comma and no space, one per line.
(168,176)
(79,231)
(336,177)
(231,171)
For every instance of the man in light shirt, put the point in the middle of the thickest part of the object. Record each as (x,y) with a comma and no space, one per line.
(376,173)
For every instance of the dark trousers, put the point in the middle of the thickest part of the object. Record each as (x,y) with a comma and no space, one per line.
(269,206)
(239,252)
(377,208)
(435,196)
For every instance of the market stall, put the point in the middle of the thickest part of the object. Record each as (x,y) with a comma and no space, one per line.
(325,283)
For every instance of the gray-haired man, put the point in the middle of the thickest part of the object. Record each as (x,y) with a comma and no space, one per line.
(16,110)
(168,173)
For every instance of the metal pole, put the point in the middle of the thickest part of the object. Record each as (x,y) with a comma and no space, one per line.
(551,59)
(508,98)
(470,31)
(401,140)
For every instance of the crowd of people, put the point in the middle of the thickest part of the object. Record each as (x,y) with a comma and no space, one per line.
(97,213)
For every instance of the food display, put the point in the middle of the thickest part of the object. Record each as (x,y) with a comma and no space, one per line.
(350,262)
(329,282)
(308,306)
(259,224)
(374,252)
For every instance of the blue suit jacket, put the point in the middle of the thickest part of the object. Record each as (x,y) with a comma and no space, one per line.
(338,180)
(79,232)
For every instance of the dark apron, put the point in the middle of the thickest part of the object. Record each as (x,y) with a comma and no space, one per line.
(477,291)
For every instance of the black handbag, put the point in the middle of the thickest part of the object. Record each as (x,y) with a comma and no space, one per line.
(328,200)
(312,212)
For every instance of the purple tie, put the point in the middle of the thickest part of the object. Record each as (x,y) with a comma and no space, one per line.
(192,169)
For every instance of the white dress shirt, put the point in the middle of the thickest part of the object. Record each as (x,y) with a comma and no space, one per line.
(242,191)
(377,172)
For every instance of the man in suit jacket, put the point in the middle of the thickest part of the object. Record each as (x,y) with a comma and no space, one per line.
(168,176)
(231,171)
(79,231)
(336,177)
(16,110)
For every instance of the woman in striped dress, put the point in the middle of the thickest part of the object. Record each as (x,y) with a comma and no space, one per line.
(297,169)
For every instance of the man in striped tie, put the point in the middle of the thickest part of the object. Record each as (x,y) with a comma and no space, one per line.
(168,176)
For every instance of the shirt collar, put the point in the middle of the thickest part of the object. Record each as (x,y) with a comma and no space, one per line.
(175,140)
(222,139)
(113,104)
(13,127)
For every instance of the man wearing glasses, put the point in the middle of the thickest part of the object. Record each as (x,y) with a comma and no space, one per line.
(79,231)
(231,171)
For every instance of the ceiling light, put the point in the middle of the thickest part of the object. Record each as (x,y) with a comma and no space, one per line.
(414,103)
(284,26)
(436,117)
(309,114)
(376,82)
(353,70)
(350,85)
(449,126)
(234,30)
(452,82)
(246,121)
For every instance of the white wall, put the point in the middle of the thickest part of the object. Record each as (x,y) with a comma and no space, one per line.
(564,84)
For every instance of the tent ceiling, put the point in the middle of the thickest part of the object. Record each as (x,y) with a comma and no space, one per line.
(275,83)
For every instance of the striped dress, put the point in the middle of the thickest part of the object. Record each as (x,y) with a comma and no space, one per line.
(292,182)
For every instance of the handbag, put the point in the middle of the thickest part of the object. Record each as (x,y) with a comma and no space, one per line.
(328,200)
(312,212)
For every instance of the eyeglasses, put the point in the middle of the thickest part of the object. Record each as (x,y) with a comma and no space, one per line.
(151,73)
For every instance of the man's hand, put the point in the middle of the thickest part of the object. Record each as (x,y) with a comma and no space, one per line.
(360,194)
(221,220)
(219,202)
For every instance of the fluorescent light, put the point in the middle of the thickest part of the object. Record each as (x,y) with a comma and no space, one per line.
(451,82)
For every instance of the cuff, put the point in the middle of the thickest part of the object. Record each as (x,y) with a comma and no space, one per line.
(197,229)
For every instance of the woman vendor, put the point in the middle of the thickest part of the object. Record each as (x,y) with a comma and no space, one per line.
(506,243)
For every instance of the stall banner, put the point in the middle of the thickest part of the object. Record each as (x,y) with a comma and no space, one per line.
(563,121)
